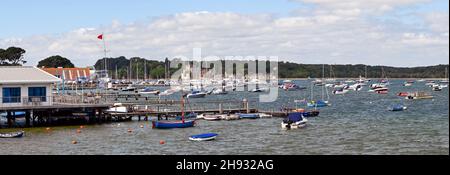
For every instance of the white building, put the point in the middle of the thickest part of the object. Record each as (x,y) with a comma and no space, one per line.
(25,86)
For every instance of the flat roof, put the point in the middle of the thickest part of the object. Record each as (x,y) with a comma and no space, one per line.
(25,75)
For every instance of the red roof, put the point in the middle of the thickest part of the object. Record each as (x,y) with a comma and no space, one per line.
(70,74)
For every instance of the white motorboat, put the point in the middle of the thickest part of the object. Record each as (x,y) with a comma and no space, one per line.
(117,108)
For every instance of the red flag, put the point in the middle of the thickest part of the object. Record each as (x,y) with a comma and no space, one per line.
(100,37)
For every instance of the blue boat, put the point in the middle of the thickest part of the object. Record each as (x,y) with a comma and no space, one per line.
(317,104)
(203,137)
(173,124)
(248,116)
(314,113)
(398,107)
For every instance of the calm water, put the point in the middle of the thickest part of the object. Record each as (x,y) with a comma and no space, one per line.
(356,123)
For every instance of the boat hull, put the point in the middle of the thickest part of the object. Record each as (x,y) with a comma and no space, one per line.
(172,124)
(12,135)
(203,137)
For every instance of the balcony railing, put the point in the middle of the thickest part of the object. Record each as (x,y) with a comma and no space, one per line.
(50,100)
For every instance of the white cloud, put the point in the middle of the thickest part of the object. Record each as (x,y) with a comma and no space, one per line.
(340,37)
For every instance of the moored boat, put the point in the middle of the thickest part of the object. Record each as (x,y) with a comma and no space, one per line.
(203,137)
(397,107)
(12,134)
(248,116)
(294,120)
(149,91)
(229,117)
(196,94)
(172,124)
(418,96)
(212,117)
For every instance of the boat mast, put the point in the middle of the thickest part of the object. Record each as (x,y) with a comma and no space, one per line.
(182,108)
(323,75)
(145,70)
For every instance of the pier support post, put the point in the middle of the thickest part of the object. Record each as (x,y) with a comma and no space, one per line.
(220,108)
(27,118)
(8,118)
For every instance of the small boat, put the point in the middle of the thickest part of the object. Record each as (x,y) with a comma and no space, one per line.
(418,96)
(397,107)
(149,91)
(407,84)
(381,90)
(264,115)
(203,137)
(356,87)
(219,92)
(212,117)
(128,88)
(294,120)
(403,94)
(317,104)
(437,88)
(248,116)
(340,91)
(229,117)
(258,90)
(313,113)
(117,108)
(196,94)
(173,124)
(12,135)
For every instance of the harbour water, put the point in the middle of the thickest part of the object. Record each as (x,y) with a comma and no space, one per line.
(356,123)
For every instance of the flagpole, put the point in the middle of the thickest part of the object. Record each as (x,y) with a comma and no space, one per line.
(104,49)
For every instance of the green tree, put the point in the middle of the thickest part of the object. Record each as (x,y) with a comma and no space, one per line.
(56,61)
(13,56)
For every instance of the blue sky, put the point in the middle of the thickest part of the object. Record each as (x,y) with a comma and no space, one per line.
(53,16)
(396,33)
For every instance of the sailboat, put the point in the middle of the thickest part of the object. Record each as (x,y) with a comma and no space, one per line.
(322,102)
(381,86)
(175,123)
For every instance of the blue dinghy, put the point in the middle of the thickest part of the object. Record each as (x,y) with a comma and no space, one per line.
(398,108)
(172,124)
(248,116)
(317,104)
(203,137)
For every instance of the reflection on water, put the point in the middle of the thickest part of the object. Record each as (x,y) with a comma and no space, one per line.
(356,123)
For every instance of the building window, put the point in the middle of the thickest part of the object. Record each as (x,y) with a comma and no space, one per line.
(37,94)
(11,95)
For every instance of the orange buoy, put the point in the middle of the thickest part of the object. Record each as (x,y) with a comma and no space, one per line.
(78,131)
(162,142)
(129,130)
(81,127)
(74,142)
(142,126)
(48,129)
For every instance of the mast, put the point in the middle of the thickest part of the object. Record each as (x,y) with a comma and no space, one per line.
(137,70)
(365,73)
(323,75)
(116,72)
(145,70)
(182,108)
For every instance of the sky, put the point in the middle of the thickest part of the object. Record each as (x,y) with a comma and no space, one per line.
(402,33)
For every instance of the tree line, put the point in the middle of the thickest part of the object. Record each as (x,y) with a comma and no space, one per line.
(122,68)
